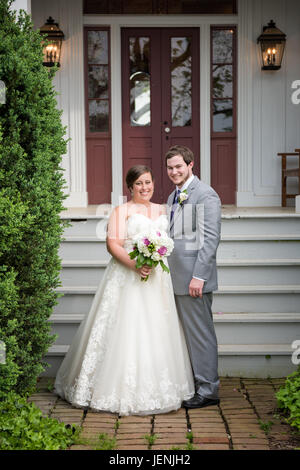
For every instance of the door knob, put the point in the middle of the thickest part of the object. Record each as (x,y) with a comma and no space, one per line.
(167,130)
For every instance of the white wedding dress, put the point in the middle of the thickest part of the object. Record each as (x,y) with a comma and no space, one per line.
(129,355)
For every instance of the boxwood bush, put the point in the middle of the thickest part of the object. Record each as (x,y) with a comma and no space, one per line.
(288,398)
(23,427)
(31,199)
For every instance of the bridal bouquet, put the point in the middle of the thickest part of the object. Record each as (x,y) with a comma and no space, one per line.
(151,249)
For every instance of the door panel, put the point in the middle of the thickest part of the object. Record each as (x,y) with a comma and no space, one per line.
(160,103)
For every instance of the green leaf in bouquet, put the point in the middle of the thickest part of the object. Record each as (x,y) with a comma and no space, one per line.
(133,254)
(164,267)
(149,262)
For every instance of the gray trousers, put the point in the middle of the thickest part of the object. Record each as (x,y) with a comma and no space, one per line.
(197,322)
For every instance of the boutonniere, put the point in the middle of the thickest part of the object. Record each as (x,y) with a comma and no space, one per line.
(183,196)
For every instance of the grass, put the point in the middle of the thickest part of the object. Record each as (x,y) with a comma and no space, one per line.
(101,442)
(265,426)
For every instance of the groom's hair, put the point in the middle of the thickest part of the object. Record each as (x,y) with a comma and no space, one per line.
(185,152)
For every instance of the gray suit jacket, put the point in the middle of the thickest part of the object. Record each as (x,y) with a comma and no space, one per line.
(195,229)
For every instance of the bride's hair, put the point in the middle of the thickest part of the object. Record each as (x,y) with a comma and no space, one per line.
(135,172)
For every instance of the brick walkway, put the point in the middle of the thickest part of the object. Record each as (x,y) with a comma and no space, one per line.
(246,419)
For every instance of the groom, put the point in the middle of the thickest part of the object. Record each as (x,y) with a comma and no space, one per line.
(195,223)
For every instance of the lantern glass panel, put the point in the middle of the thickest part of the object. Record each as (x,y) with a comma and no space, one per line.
(272,53)
(52,51)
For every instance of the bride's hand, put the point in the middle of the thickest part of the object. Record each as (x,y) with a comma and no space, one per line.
(144,271)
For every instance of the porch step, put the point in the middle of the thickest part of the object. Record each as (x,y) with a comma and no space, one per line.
(230,247)
(243,222)
(230,272)
(239,360)
(248,298)
(230,328)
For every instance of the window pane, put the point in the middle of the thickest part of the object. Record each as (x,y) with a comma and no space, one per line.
(98,47)
(98,81)
(222,81)
(99,116)
(181,81)
(140,93)
(222,116)
(222,45)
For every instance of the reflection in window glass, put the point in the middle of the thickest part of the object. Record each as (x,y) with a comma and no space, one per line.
(99,115)
(140,96)
(222,116)
(98,81)
(181,81)
(98,47)
(222,81)
(222,45)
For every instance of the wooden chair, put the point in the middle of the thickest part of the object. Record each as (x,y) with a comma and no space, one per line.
(285,173)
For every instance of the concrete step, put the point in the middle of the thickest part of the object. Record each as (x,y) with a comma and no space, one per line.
(239,299)
(242,223)
(83,249)
(258,247)
(268,273)
(75,273)
(264,224)
(235,360)
(242,272)
(230,247)
(231,328)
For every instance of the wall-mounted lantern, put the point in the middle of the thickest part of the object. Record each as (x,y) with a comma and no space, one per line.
(54,36)
(272,42)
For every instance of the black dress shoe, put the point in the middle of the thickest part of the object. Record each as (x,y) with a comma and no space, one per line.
(199,402)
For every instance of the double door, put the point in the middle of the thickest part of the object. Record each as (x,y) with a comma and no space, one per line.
(160,99)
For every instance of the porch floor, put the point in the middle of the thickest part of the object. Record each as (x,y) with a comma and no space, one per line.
(247,418)
(103,210)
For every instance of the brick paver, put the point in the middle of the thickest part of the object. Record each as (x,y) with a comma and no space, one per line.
(246,419)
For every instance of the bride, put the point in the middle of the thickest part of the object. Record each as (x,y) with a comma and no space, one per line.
(129,355)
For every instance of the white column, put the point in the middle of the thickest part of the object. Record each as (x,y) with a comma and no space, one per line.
(116,115)
(205,102)
(72,15)
(22,5)
(245,196)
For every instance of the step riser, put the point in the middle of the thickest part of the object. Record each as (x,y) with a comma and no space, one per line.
(259,249)
(246,249)
(274,303)
(81,276)
(88,228)
(261,226)
(84,251)
(227,275)
(231,366)
(234,303)
(239,226)
(227,333)
(258,275)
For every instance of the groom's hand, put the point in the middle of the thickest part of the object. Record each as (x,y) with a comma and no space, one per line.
(195,287)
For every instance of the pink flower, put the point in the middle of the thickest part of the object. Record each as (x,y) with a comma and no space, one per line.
(162,250)
(158,233)
(146,241)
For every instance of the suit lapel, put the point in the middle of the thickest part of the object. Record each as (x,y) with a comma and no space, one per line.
(180,207)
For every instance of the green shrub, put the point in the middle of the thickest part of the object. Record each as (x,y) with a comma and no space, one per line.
(288,398)
(22,426)
(31,199)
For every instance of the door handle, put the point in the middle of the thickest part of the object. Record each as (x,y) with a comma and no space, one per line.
(167,130)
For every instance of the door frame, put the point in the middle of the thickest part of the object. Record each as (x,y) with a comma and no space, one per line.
(116,23)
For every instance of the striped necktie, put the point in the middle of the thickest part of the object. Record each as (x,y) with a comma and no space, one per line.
(175,203)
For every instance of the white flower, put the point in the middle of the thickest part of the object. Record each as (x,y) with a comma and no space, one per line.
(183,196)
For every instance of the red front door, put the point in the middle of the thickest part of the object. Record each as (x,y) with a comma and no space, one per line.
(160,105)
